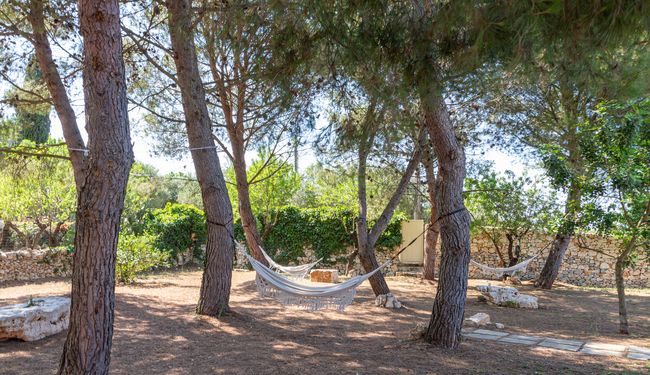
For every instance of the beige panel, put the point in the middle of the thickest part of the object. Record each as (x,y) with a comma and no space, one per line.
(414,254)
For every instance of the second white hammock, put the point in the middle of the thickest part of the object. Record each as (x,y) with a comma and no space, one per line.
(500,271)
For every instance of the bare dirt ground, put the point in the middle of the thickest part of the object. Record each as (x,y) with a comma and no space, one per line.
(157,332)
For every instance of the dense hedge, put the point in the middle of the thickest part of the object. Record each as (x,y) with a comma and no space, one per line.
(177,228)
(330,232)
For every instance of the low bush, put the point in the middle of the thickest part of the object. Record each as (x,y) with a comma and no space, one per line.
(136,254)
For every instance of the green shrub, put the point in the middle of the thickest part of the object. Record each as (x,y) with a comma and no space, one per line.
(177,228)
(136,254)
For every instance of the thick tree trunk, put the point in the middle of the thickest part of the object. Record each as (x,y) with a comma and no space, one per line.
(101,198)
(249,224)
(562,240)
(215,287)
(449,305)
(433,228)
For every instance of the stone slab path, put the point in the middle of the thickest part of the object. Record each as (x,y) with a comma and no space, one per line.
(578,346)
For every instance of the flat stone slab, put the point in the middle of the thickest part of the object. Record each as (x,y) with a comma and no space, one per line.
(604,352)
(561,344)
(640,356)
(521,339)
(638,349)
(604,346)
(490,333)
(39,318)
(482,337)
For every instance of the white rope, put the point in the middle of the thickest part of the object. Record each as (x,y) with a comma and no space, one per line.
(197,148)
(506,270)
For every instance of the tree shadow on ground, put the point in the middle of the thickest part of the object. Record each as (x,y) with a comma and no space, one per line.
(157,332)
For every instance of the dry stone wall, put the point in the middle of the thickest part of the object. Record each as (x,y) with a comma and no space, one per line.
(32,264)
(580,266)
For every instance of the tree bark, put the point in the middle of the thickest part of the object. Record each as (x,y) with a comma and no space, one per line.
(249,224)
(215,286)
(57,90)
(449,305)
(620,291)
(368,239)
(366,251)
(433,228)
(101,196)
(620,269)
(5,237)
(233,101)
(561,242)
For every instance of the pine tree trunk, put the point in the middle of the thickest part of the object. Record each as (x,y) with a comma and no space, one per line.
(57,91)
(561,242)
(620,291)
(620,279)
(369,262)
(366,247)
(215,286)
(433,228)
(249,224)
(101,197)
(449,305)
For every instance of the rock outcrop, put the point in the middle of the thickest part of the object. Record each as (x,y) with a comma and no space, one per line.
(36,319)
(507,296)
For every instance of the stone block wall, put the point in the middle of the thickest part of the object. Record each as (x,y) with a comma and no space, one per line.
(580,266)
(32,264)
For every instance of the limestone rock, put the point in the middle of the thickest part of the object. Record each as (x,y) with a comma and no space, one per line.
(324,276)
(507,296)
(388,301)
(478,320)
(44,317)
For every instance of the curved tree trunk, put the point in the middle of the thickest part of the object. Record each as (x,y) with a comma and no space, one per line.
(101,197)
(449,305)
(215,286)
(561,242)
(367,239)
(57,91)
(249,224)
(366,247)
(433,228)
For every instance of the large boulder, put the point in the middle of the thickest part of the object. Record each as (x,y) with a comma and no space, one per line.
(39,318)
(507,296)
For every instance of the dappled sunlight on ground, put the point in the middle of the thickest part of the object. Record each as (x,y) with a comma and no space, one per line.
(157,332)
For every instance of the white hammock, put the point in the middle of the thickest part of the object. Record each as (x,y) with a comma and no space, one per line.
(498,272)
(298,272)
(307,297)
